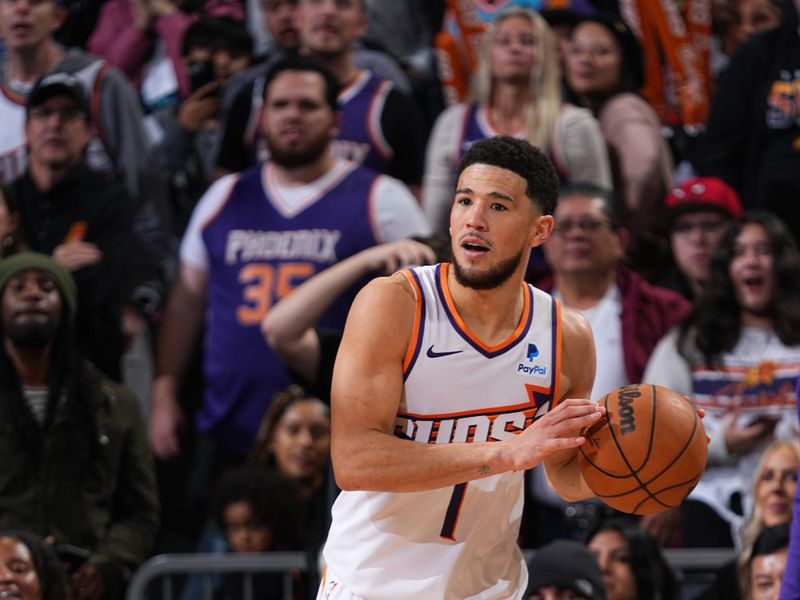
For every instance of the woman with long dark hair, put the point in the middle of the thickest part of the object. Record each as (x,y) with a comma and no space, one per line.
(738,357)
(632,564)
(604,71)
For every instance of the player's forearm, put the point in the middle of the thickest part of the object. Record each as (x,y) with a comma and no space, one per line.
(377,461)
(564,475)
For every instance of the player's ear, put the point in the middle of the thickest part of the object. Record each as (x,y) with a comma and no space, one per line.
(541,228)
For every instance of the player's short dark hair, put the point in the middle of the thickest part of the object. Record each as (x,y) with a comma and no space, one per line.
(522,158)
(611,205)
(304,63)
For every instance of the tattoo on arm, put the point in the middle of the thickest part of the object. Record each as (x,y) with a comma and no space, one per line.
(483,469)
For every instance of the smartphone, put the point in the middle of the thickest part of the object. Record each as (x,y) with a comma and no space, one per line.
(201,72)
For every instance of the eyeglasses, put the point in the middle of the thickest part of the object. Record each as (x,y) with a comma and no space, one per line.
(706,226)
(586,225)
(65,113)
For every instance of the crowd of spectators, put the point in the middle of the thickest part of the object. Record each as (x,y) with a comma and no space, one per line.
(187,210)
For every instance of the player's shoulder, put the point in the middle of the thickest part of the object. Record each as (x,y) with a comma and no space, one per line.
(392,291)
(384,308)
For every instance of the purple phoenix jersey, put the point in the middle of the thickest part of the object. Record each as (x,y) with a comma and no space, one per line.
(259,249)
(361,137)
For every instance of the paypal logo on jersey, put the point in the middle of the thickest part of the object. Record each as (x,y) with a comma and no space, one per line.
(531,354)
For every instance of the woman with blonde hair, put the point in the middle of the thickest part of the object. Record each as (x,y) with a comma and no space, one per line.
(774,487)
(516,91)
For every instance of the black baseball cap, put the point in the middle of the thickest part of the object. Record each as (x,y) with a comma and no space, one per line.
(567,564)
(55,84)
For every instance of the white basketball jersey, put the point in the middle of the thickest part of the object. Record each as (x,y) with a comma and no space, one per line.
(13,148)
(461,541)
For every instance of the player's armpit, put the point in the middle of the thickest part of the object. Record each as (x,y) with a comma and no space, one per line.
(577,373)
(577,356)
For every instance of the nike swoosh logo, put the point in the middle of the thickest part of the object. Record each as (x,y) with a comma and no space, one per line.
(432,354)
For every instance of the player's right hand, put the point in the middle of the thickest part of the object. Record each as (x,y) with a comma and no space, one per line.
(165,423)
(559,429)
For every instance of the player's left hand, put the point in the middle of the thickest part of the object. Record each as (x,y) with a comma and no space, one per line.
(701,412)
(560,429)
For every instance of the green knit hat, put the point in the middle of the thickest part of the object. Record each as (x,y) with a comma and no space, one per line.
(33,260)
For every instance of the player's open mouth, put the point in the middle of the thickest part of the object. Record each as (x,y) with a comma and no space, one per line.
(474,247)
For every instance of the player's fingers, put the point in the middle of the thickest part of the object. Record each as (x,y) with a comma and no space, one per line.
(575,411)
(573,425)
(563,443)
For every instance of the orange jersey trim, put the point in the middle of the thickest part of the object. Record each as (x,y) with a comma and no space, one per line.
(416,330)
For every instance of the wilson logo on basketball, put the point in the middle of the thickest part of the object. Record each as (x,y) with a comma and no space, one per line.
(625,398)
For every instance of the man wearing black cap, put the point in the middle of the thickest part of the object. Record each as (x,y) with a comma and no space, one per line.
(76,465)
(83,218)
(565,569)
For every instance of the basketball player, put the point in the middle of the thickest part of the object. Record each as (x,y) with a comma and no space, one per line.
(435,362)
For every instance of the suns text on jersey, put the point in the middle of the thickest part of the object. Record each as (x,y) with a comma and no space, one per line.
(486,427)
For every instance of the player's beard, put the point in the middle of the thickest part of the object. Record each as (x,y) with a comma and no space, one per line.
(489,279)
(291,158)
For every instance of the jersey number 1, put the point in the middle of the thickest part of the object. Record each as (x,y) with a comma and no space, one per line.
(453,510)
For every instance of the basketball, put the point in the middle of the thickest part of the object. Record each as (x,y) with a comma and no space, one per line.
(648,451)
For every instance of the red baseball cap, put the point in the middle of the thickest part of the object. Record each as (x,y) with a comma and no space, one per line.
(698,194)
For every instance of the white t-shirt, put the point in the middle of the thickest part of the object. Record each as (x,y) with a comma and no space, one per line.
(606,322)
